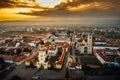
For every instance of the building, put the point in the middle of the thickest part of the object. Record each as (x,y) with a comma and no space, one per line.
(48,51)
(41,60)
(42,55)
(52,49)
(85,46)
(107,56)
(14,59)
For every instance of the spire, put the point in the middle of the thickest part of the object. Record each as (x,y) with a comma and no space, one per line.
(84,42)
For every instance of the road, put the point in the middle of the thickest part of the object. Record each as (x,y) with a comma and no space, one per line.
(73,55)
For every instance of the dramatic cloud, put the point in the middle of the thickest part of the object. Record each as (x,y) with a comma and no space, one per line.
(6,3)
(82,8)
(65,4)
(63,8)
(19,3)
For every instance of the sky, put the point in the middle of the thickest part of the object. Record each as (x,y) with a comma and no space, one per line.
(83,11)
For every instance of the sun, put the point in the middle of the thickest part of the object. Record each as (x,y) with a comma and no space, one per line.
(49,3)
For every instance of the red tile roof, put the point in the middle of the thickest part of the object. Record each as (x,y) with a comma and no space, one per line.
(31,58)
(34,35)
(101,53)
(11,43)
(19,58)
(61,59)
(47,44)
(8,57)
(59,43)
(37,39)
(73,64)
(104,50)
(83,42)
(66,45)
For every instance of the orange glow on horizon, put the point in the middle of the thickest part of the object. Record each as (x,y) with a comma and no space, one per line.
(13,13)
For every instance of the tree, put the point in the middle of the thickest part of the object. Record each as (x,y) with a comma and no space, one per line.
(15,78)
(26,50)
(67,73)
(1,60)
(18,51)
(2,64)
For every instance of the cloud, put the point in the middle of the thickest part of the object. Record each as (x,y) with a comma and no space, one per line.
(63,5)
(75,14)
(104,4)
(69,8)
(6,3)
(19,3)
(73,3)
(82,8)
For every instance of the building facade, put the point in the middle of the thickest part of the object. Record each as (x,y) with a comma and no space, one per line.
(85,46)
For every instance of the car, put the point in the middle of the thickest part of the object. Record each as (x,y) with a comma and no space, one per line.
(78,67)
(72,68)
(35,77)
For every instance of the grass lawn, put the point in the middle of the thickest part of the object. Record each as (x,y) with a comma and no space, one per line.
(89,60)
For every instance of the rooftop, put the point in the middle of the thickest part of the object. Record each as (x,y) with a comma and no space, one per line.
(107,54)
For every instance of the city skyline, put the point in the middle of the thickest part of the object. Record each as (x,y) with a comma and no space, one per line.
(75,11)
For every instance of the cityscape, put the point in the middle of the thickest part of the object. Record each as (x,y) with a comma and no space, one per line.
(60,53)
(59,40)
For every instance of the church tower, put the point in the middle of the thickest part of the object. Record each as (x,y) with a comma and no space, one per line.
(42,55)
(53,42)
(89,42)
(41,45)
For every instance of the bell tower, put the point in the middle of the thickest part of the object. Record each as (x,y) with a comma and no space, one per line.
(89,41)
(41,45)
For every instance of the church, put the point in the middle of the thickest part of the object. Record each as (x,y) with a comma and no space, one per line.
(84,45)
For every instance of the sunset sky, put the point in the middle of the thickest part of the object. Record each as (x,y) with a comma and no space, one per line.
(60,10)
